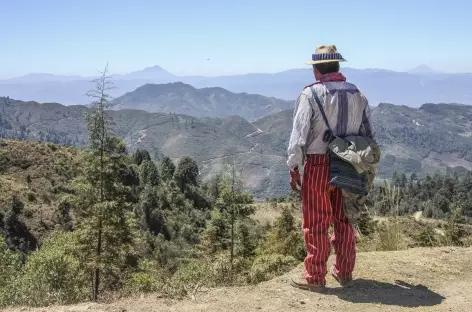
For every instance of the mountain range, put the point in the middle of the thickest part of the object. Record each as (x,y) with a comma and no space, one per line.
(420,85)
(413,140)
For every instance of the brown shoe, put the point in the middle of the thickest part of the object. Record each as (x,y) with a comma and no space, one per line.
(302,283)
(345,282)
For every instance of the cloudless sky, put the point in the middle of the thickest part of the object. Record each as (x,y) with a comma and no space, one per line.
(80,36)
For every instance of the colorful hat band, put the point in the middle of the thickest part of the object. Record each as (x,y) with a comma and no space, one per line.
(326,56)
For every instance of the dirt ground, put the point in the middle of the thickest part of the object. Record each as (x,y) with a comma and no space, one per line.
(421,279)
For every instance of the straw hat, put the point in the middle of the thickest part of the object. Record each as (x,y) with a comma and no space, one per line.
(326,54)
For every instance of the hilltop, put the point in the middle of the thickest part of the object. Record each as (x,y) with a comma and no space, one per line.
(420,279)
(180,98)
(434,137)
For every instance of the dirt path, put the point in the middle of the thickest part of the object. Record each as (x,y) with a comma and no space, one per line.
(437,279)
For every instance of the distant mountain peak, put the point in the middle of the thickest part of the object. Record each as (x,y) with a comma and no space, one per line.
(152,72)
(155,68)
(163,87)
(422,69)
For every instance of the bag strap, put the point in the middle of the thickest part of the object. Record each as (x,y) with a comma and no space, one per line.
(328,136)
(317,100)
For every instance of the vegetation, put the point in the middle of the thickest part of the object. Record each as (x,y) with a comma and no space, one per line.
(82,225)
(439,196)
(122,223)
(166,231)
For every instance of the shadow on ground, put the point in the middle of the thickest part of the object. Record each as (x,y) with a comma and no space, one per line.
(399,294)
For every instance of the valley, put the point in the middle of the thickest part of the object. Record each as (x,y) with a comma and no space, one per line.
(425,140)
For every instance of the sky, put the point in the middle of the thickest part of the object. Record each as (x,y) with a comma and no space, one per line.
(220,37)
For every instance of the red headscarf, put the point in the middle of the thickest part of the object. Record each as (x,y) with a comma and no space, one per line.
(332,77)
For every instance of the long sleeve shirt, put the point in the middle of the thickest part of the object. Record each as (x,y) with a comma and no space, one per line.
(346,109)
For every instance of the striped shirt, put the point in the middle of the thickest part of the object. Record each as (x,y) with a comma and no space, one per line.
(346,109)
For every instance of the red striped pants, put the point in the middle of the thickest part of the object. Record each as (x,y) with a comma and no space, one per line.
(322,205)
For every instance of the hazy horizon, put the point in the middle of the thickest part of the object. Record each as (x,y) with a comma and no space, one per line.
(214,38)
(216,75)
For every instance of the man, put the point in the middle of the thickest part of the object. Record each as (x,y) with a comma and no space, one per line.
(346,109)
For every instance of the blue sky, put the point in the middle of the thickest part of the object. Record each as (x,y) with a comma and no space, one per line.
(79,37)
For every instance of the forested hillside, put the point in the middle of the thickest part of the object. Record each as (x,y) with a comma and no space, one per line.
(435,137)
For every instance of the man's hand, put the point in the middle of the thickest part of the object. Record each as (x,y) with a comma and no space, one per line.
(295,181)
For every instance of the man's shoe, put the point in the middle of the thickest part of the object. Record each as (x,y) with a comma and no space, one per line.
(345,282)
(302,283)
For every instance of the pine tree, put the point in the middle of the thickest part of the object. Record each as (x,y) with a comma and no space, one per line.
(140,156)
(246,244)
(286,237)
(102,208)
(454,227)
(216,235)
(187,178)
(214,186)
(235,204)
(186,173)
(150,211)
(149,173)
(167,168)
(226,229)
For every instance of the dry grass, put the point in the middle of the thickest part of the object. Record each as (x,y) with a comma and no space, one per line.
(390,236)
(392,233)
(269,212)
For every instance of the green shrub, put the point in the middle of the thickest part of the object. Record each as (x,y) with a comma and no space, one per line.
(454,229)
(365,223)
(147,278)
(426,237)
(9,268)
(189,278)
(266,267)
(52,147)
(285,237)
(52,275)
(223,274)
